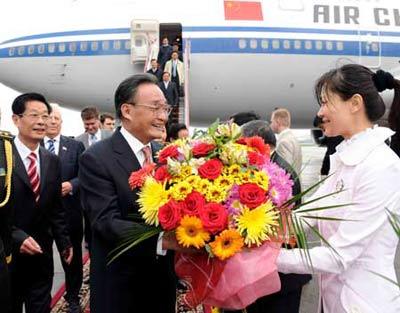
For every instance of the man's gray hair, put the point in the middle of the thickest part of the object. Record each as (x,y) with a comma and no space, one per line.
(259,128)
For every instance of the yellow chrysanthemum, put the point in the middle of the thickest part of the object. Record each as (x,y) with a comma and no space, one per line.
(151,197)
(224,181)
(215,193)
(233,170)
(191,233)
(215,310)
(243,178)
(256,225)
(185,171)
(193,180)
(227,244)
(203,186)
(261,179)
(180,190)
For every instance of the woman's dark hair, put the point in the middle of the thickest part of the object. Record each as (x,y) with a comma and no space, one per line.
(173,130)
(127,90)
(352,79)
(19,103)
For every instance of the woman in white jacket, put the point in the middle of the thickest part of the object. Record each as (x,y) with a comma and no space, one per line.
(367,172)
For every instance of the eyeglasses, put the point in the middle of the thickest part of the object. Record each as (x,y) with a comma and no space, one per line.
(35,116)
(165,109)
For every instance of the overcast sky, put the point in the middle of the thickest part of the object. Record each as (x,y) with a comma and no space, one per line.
(15,20)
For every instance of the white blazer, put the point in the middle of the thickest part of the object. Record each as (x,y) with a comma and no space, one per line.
(368,172)
(180,68)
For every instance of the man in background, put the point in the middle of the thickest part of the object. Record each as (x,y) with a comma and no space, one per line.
(68,151)
(91,122)
(288,147)
(107,121)
(155,70)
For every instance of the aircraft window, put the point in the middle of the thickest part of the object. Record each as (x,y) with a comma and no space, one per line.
(94,45)
(83,46)
(339,46)
(41,49)
(117,45)
(61,47)
(105,45)
(127,45)
(31,49)
(318,45)
(11,51)
(329,45)
(253,44)
(264,44)
(72,47)
(51,47)
(21,50)
(297,44)
(308,45)
(242,43)
(286,44)
(275,44)
(375,47)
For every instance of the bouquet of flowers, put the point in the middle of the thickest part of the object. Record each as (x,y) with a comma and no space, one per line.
(220,193)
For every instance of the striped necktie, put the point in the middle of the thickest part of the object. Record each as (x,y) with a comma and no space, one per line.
(93,139)
(33,175)
(50,146)
(147,156)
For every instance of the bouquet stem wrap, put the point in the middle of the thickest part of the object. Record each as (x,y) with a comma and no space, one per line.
(233,284)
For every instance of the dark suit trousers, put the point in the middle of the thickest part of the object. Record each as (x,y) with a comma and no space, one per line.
(74,271)
(31,281)
(175,79)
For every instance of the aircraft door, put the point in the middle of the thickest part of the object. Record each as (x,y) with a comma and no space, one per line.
(144,40)
(370,48)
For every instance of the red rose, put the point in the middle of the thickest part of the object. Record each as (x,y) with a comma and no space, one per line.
(194,204)
(170,151)
(137,178)
(162,174)
(252,195)
(169,214)
(257,143)
(202,149)
(255,158)
(211,169)
(214,217)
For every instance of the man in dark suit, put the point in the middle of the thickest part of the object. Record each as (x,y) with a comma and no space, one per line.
(155,70)
(69,151)
(141,272)
(288,298)
(38,215)
(5,219)
(164,54)
(170,91)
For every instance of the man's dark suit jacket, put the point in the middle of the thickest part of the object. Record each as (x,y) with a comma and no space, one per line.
(158,73)
(164,54)
(44,220)
(170,93)
(127,283)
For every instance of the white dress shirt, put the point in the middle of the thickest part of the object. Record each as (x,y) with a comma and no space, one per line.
(136,145)
(24,152)
(56,141)
(98,137)
(367,174)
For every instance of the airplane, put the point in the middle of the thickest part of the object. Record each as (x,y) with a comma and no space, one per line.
(238,55)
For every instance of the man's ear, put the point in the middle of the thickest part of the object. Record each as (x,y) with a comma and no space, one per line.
(126,111)
(356,102)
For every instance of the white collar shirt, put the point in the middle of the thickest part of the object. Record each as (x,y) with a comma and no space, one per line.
(56,142)
(135,144)
(98,137)
(24,152)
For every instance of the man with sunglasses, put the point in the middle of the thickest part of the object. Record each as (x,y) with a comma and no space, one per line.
(147,269)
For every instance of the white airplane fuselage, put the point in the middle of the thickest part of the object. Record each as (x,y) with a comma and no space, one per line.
(235,65)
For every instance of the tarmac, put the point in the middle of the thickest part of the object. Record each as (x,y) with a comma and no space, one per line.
(312,159)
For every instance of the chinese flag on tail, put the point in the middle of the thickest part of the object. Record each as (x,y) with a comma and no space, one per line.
(243,10)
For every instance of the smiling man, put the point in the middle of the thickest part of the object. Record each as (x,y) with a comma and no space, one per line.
(146,270)
(38,212)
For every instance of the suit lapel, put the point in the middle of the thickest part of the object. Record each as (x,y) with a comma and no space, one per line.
(62,147)
(19,168)
(44,165)
(124,154)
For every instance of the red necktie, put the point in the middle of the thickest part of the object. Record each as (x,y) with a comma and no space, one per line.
(147,156)
(34,175)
